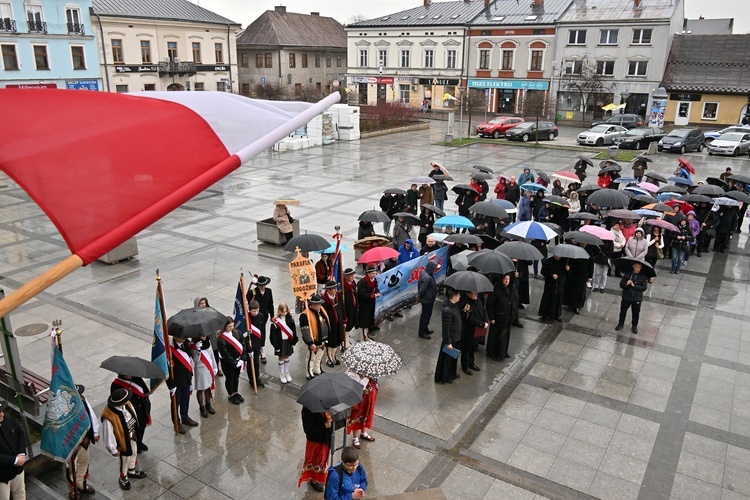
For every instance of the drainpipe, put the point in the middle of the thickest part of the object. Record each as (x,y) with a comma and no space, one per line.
(229,55)
(104,50)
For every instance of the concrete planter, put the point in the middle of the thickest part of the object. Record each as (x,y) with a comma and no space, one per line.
(126,251)
(269,233)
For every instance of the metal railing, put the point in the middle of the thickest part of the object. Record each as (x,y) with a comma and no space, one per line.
(8,25)
(76,28)
(181,68)
(37,26)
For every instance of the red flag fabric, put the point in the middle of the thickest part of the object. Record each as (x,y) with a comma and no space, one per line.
(105,166)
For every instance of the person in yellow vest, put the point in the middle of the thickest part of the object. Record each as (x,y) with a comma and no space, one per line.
(119,427)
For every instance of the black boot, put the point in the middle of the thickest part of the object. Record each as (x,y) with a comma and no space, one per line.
(210,409)
(204,413)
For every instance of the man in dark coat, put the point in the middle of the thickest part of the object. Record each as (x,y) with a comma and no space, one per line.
(12,456)
(633,284)
(555,273)
(727,222)
(367,293)
(264,296)
(140,401)
(335,311)
(476,325)
(708,219)
(315,327)
(500,313)
(181,382)
(445,371)
(581,274)
(426,295)
(349,292)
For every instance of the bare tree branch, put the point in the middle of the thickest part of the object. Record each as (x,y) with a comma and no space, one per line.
(581,77)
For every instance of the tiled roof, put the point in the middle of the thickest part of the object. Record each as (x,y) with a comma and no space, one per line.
(513,12)
(173,10)
(436,14)
(274,28)
(592,11)
(709,63)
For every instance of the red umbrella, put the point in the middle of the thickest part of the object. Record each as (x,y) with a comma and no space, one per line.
(686,165)
(662,224)
(378,254)
(684,206)
(566,176)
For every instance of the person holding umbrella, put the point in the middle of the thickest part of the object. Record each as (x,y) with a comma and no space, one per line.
(680,244)
(140,401)
(323,270)
(445,371)
(640,165)
(500,188)
(283,219)
(119,422)
(401,231)
(633,284)
(264,296)
(500,313)
(465,199)
(555,272)
(181,381)
(427,218)
(360,421)
(349,292)
(318,429)
(425,195)
(441,193)
(205,375)
(525,207)
(526,176)
(476,326)
(367,294)
(334,309)
(426,295)
(232,354)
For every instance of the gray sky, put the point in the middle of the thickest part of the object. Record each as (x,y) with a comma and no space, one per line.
(246,11)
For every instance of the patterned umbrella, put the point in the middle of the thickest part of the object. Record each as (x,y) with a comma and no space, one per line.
(373,359)
(531,230)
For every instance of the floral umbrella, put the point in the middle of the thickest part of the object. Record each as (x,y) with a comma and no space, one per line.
(373,359)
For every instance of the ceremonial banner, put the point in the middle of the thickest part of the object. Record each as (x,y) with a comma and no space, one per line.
(66,421)
(240,321)
(303,277)
(398,286)
(158,343)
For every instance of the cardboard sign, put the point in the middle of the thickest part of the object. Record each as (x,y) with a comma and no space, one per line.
(303,277)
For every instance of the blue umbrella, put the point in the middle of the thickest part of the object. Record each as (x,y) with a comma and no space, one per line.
(625,180)
(636,189)
(668,196)
(455,221)
(647,213)
(533,186)
(332,249)
(531,230)
(680,180)
(508,206)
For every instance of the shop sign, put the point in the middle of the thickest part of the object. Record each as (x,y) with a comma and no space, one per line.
(685,97)
(211,67)
(509,84)
(439,81)
(31,86)
(137,69)
(82,84)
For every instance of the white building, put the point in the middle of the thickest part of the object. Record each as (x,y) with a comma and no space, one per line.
(164,45)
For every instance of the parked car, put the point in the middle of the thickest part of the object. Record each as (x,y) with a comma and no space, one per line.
(498,126)
(713,134)
(682,140)
(731,143)
(626,120)
(600,135)
(527,131)
(639,138)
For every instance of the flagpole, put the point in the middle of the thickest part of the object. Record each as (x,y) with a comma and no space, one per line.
(249,327)
(167,350)
(56,324)
(337,257)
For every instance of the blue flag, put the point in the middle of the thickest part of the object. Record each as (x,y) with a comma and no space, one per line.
(240,322)
(158,347)
(67,420)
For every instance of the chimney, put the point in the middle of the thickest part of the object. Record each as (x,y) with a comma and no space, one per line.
(427,3)
(486,3)
(538,3)
(636,3)
(281,9)
(314,13)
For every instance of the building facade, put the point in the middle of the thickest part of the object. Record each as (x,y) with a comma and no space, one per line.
(300,55)
(176,45)
(48,44)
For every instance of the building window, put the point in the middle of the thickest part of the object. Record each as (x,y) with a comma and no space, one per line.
(200,86)
(403,93)
(40,57)
(7,23)
(149,87)
(537,60)
(292,61)
(197,52)
(573,67)
(258,60)
(577,37)
(605,68)
(117,51)
(245,60)
(507,60)
(710,110)
(269,60)
(10,61)
(121,88)
(338,61)
(406,58)
(317,61)
(145,52)
(608,37)
(245,89)
(429,58)
(35,18)
(172,51)
(304,60)
(219,52)
(297,88)
(362,58)
(383,58)
(642,37)
(637,68)
(484,59)
(450,59)
(73,17)
(79,62)
(221,86)
(328,61)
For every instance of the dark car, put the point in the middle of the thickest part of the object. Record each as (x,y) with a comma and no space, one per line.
(626,120)
(682,140)
(639,138)
(498,126)
(527,131)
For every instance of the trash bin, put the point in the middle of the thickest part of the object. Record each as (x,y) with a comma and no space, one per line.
(448,138)
(613,151)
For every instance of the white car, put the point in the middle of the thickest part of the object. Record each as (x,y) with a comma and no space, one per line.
(599,135)
(731,143)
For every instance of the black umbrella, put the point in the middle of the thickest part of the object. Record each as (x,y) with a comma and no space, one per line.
(441,177)
(698,198)
(656,177)
(555,227)
(610,198)
(327,390)
(585,159)
(736,195)
(542,175)
(133,366)
(433,208)
(709,190)
(644,198)
(469,281)
(411,218)
(488,261)
(557,200)
(740,178)
(482,168)
(489,241)
(307,243)
(481,175)
(394,191)
(520,250)
(715,181)
(588,188)
(567,251)
(196,322)
(625,264)
(643,158)
(624,214)
(465,238)
(374,216)
(611,168)
(671,189)
(612,163)
(582,237)
(460,188)
(489,209)
(583,216)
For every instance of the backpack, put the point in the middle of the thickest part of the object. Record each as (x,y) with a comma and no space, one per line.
(339,468)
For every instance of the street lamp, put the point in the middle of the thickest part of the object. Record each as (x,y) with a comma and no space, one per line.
(624,100)
(551,92)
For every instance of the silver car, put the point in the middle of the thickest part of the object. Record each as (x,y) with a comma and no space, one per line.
(731,143)
(599,135)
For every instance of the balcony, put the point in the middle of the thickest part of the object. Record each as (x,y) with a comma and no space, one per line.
(37,26)
(8,25)
(181,68)
(76,28)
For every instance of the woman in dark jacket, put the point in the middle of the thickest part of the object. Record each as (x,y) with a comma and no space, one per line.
(428,225)
(445,371)
(680,242)
(557,188)
(500,311)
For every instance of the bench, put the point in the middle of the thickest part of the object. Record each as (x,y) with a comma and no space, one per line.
(35,392)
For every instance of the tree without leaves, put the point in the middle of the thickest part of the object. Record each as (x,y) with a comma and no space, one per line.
(270,91)
(356,18)
(472,99)
(534,104)
(586,83)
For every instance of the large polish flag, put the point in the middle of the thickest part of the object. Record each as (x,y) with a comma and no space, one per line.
(104,166)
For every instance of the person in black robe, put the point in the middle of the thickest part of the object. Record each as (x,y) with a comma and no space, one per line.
(336,316)
(521,281)
(540,245)
(500,314)
(555,273)
(445,371)
(367,293)
(264,296)
(475,320)
(581,273)
(349,294)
